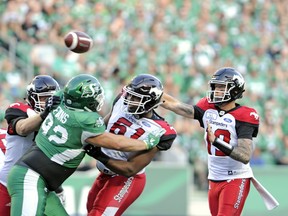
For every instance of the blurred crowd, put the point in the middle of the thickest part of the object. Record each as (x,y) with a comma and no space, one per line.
(180,41)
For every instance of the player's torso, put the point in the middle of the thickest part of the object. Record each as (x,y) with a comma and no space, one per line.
(222,167)
(16,145)
(63,133)
(126,124)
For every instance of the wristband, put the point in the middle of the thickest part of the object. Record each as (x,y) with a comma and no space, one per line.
(223,146)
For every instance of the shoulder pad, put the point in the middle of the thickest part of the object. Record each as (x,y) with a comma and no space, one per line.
(169,129)
(246,114)
(203,104)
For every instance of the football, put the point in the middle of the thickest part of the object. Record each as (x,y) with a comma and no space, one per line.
(78,42)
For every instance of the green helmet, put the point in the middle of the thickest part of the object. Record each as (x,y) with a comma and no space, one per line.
(84,92)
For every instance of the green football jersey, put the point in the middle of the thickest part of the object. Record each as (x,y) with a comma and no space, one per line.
(63,134)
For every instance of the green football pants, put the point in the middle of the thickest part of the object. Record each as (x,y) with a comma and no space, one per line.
(29,195)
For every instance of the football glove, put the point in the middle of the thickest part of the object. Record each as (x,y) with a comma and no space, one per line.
(96,153)
(153,138)
(50,104)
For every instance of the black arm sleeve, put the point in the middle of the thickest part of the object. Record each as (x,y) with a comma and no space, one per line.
(246,130)
(12,113)
(166,142)
(12,116)
(12,126)
(198,114)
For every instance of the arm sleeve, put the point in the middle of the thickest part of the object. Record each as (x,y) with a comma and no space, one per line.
(198,114)
(246,130)
(12,116)
(166,142)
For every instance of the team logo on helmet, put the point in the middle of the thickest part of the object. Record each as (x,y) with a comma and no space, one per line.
(156,91)
(238,79)
(90,90)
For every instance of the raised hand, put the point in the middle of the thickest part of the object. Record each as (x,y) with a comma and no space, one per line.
(51,103)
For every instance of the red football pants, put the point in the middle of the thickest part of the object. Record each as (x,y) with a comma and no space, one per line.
(5,201)
(227,198)
(112,195)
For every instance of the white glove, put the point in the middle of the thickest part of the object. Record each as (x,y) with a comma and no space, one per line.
(62,197)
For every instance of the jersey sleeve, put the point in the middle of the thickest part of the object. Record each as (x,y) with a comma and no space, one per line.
(247,122)
(16,110)
(168,138)
(200,108)
(14,113)
(92,124)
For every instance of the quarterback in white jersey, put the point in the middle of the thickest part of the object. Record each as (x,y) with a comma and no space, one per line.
(229,131)
(122,174)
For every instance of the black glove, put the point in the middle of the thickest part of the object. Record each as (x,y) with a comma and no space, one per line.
(50,104)
(96,153)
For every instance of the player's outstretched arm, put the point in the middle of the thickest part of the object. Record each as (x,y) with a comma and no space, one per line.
(133,165)
(28,125)
(122,143)
(126,168)
(177,106)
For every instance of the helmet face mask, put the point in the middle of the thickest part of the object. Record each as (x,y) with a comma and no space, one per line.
(142,94)
(135,102)
(84,92)
(41,88)
(226,85)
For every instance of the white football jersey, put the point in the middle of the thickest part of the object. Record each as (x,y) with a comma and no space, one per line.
(226,127)
(16,145)
(129,126)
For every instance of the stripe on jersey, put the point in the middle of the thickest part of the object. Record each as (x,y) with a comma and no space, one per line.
(65,156)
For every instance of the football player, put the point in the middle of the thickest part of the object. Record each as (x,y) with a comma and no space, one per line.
(122,175)
(24,120)
(58,150)
(229,132)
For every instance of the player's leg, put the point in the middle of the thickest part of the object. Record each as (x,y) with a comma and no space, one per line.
(117,195)
(213,197)
(27,191)
(96,187)
(54,206)
(5,201)
(233,197)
